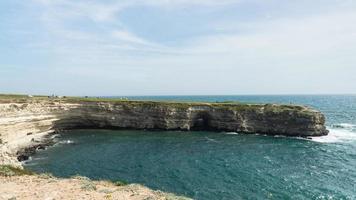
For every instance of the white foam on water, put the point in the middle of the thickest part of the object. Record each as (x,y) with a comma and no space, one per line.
(231,133)
(341,134)
(344,126)
(55,136)
(280,136)
(210,139)
(39,158)
(66,142)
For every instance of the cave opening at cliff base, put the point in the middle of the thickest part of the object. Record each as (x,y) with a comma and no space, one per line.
(201,122)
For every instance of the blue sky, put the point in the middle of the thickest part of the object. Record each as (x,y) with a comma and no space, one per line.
(182,47)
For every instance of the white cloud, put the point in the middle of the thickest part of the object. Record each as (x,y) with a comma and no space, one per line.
(126,36)
(170,3)
(280,37)
(267,54)
(106,10)
(59,15)
(66,10)
(307,36)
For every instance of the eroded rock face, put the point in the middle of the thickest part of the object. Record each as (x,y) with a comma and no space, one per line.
(265,119)
(24,123)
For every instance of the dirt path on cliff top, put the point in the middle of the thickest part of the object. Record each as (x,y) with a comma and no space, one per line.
(48,188)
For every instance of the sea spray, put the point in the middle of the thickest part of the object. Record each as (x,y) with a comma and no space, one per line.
(338,133)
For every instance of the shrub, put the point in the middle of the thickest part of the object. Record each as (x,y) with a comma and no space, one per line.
(46,176)
(7,170)
(79,177)
(119,183)
(88,186)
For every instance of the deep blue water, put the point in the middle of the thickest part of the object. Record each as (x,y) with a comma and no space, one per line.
(208,165)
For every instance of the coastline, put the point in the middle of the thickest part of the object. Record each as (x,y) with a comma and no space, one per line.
(31,123)
(27,123)
(23,184)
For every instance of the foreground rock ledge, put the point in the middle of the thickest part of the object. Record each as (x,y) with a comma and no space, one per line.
(39,187)
(24,121)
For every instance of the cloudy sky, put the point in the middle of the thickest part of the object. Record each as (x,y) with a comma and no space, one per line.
(182,47)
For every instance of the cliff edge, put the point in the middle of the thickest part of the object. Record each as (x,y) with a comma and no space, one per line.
(25,121)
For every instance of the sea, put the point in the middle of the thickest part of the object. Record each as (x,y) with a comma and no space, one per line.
(219,165)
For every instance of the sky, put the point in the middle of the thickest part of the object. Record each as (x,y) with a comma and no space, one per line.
(177,47)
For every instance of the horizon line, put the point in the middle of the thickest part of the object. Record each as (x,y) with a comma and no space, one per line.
(182,95)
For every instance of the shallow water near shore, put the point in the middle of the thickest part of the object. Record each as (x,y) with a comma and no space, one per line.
(210,165)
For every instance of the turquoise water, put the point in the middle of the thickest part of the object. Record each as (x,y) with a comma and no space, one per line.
(208,165)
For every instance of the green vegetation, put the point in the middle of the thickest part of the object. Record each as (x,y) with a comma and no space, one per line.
(119,183)
(7,170)
(226,105)
(88,185)
(12,96)
(46,176)
(20,97)
(86,182)
(101,99)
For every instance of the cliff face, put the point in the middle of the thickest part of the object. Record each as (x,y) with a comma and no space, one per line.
(265,119)
(21,123)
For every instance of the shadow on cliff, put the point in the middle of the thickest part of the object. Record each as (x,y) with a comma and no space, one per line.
(128,119)
(201,122)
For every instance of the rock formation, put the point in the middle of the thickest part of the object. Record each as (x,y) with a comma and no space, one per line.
(24,123)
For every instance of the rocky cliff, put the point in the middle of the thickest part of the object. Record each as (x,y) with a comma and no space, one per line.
(25,122)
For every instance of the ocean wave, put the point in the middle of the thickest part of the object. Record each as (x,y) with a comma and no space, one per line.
(211,140)
(231,133)
(337,135)
(66,142)
(279,136)
(345,126)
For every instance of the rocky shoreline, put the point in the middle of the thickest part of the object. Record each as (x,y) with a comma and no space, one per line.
(31,124)
(25,153)
(27,124)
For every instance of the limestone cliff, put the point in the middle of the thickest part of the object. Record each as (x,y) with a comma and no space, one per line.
(24,122)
